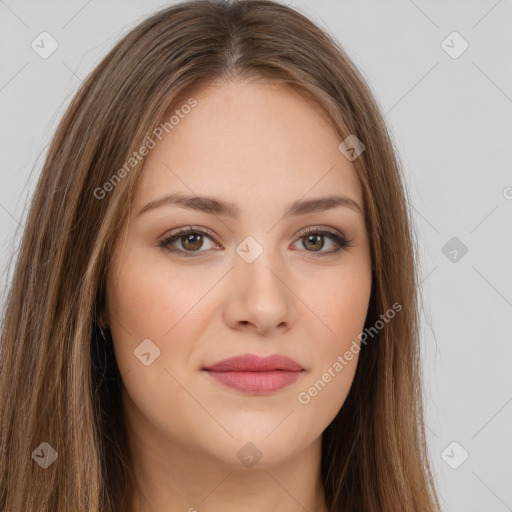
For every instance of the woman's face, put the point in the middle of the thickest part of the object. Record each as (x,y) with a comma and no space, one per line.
(248,280)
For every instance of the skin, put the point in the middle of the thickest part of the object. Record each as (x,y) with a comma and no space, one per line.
(261,147)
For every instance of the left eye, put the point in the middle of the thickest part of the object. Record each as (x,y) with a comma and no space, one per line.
(191,241)
(314,238)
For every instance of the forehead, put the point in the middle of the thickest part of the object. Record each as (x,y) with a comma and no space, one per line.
(252,141)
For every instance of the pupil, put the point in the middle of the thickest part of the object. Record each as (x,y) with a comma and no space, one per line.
(317,237)
(189,239)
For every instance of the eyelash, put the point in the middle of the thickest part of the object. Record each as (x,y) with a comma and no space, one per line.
(341,241)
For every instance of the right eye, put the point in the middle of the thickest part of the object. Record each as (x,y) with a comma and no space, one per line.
(191,240)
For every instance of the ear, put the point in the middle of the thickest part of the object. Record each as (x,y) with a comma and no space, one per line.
(104,318)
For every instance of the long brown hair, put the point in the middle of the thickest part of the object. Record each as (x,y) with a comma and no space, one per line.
(59,383)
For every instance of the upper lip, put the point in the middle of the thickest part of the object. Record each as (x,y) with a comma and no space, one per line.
(255,363)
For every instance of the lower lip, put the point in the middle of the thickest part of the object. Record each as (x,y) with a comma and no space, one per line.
(256,382)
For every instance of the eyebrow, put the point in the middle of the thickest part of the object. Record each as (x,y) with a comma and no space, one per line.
(215,206)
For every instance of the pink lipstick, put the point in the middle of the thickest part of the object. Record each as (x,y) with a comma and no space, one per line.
(253,374)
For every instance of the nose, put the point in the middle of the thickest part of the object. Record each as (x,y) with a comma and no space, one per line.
(260,298)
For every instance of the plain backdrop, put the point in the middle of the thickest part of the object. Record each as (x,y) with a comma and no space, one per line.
(442,74)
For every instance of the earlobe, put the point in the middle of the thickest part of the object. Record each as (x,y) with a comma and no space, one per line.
(103,319)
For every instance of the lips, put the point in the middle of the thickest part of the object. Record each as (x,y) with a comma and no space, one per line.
(253,374)
(254,363)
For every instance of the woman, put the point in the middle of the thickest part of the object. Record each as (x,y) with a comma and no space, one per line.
(214,306)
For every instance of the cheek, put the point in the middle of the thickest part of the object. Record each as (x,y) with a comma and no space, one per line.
(335,357)
(148,297)
(156,310)
(342,309)
(341,305)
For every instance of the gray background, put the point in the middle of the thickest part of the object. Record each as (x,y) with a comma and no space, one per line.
(451,119)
